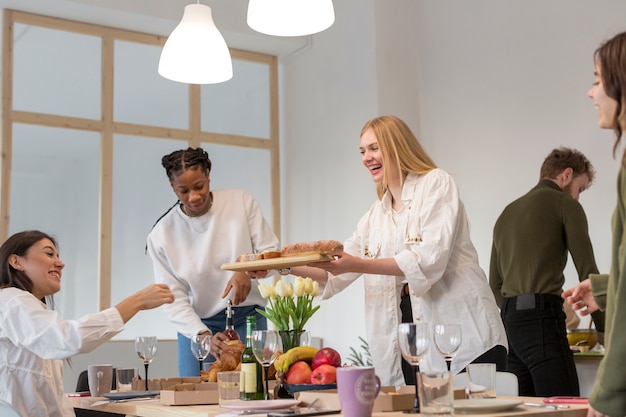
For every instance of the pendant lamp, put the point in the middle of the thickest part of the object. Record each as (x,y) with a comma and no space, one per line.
(290,17)
(195,52)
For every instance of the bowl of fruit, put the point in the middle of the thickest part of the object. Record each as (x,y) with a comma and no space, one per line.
(306,368)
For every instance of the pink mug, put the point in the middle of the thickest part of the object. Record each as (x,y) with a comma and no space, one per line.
(358,388)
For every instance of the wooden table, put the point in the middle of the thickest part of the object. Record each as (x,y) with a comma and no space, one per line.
(156,409)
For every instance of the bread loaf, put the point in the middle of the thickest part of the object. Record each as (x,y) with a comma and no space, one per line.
(328,247)
(271,254)
(230,360)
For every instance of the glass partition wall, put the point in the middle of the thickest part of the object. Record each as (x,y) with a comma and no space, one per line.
(86,120)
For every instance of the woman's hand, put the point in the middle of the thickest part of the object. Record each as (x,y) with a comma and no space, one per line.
(258,274)
(152,296)
(241,286)
(340,264)
(581,298)
(218,343)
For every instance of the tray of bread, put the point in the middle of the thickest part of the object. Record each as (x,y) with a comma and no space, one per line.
(295,254)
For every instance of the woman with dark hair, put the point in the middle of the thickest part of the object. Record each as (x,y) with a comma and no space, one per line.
(34,340)
(608,292)
(188,244)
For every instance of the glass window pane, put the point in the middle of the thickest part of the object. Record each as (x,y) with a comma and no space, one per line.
(141,194)
(227,172)
(51,66)
(240,106)
(54,188)
(141,95)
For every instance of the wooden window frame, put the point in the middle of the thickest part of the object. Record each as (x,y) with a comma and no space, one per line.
(108,127)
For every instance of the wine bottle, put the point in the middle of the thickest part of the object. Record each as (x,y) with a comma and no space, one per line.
(252,373)
(230,331)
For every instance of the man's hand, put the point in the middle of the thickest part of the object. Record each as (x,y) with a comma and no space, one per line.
(581,298)
(241,285)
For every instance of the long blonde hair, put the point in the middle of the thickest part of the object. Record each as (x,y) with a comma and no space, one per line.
(397,143)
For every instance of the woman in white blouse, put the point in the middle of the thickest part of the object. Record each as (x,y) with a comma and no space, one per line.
(34,340)
(416,232)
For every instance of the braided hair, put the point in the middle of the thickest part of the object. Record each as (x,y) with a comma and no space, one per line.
(177,162)
(184,159)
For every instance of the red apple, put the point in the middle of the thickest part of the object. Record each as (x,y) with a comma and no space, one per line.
(324,374)
(299,373)
(326,356)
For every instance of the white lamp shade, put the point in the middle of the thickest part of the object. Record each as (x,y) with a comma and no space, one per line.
(195,52)
(290,17)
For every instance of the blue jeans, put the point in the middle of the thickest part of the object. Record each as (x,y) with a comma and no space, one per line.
(539,352)
(188,364)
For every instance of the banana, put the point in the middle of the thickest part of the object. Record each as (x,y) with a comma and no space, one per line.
(293,355)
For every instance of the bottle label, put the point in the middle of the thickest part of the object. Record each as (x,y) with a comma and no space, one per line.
(249,377)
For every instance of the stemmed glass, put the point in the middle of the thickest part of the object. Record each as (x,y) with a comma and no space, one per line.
(448,341)
(146,348)
(266,345)
(413,339)
(201,347)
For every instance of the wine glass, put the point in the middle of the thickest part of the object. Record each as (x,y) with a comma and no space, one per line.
(146,348)
(266,345)
(201,347)
(448,341)
(413,340)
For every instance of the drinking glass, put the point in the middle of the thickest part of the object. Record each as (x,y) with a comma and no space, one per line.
(146,348)
(201,347)
(448,341)
(266,345)
(413,339)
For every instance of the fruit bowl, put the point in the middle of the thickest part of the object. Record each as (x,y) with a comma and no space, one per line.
(293,388)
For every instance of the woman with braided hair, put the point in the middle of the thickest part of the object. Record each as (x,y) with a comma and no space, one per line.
(189,243)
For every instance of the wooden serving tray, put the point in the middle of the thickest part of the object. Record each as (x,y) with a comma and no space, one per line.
(277,263)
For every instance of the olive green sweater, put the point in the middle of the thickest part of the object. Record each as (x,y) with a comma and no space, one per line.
(609,393)
(531,240)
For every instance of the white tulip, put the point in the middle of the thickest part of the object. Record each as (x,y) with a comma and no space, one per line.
(308,286)
(266,290)
(316,289)
(299,287)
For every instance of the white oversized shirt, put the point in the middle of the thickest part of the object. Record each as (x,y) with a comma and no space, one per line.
(429,239)
(34,341)
(187,253)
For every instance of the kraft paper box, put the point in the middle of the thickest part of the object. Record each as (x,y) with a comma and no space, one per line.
(189,393)
(163,383)
(388,399)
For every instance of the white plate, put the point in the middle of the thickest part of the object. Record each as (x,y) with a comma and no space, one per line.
(260,404)
(485,405)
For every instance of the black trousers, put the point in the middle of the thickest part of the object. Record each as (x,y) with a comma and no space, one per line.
(539,353)
(407,317)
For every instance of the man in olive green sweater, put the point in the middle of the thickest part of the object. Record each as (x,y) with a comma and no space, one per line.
(531,241)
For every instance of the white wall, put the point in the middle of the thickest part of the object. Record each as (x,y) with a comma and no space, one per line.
(489,86)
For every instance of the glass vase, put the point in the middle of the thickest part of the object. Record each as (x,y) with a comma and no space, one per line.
(290,338)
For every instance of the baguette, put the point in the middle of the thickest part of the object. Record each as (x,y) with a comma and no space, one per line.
(328,247)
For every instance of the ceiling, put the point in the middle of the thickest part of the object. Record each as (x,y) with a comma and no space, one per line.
(160,17)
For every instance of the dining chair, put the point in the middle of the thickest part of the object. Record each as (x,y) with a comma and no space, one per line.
(7,410)
(506,383)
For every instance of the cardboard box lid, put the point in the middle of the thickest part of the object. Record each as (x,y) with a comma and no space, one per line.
(388,399)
